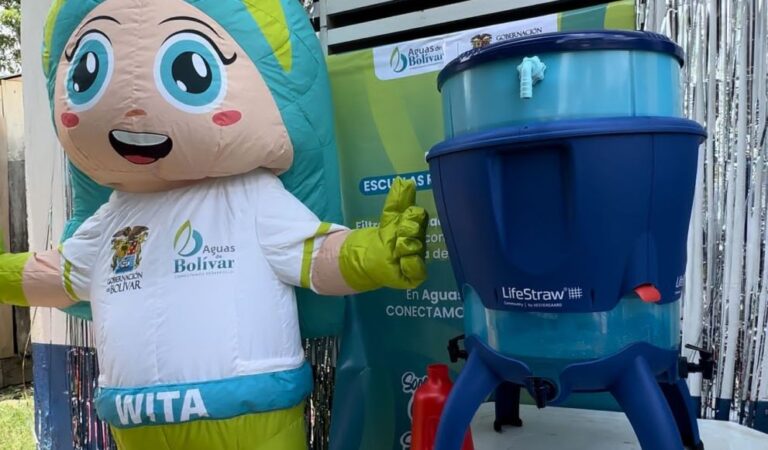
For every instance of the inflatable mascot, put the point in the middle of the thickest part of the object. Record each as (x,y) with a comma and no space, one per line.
(205,122)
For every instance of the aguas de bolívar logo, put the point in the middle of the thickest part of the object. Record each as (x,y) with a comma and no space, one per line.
(196,257)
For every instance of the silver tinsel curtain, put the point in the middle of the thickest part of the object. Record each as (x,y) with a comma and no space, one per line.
(726,90)
(89,433)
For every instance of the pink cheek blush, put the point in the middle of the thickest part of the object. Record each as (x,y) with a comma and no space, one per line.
(70,120)
(227,118)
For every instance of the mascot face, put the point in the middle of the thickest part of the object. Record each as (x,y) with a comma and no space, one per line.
(151,98)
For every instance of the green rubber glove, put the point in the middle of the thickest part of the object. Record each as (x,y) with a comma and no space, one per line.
(12,277)
(392,254)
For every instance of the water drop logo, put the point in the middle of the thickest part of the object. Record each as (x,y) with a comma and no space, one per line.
(398,61)
(188,241)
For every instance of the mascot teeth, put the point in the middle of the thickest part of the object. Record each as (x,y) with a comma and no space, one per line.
(140,148)
(139,139)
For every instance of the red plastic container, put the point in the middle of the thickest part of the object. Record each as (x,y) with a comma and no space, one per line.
(428,402)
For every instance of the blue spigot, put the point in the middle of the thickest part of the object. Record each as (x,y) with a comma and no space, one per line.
(531,72)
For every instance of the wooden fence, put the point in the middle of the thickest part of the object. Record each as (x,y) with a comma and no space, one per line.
(15,366)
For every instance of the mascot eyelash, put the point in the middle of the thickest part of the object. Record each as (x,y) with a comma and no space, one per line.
(224,59)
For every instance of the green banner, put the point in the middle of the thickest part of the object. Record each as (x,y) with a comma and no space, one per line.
(388,115)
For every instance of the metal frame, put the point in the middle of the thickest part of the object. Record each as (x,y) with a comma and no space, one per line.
(374,27)
(340,6)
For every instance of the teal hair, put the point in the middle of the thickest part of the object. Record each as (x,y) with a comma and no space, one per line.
(286,52)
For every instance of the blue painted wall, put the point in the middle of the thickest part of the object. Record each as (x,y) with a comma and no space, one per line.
(52,410)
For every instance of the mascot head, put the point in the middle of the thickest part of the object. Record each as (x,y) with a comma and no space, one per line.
(148,95)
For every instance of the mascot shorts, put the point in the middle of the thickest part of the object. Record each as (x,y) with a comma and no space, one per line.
(276,430)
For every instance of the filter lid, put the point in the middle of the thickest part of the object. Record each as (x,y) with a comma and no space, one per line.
(565,129)
(563,42)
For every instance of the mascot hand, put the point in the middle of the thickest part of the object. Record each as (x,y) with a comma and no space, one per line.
(391,255)
(12,276)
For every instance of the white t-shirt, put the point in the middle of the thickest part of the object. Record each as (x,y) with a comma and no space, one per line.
(195,284)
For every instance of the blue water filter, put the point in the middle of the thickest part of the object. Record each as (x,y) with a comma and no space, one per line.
(566,76)
(564,190)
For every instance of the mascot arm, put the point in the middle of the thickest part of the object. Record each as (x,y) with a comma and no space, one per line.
(54,278)
(393,253)
(330,259)
(32,279)
(389,255)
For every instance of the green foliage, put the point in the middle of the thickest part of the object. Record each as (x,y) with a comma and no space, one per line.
(10,36)
(17,419)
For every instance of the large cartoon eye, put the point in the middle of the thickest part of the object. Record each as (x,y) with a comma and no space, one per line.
(190,73)
(90,71)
